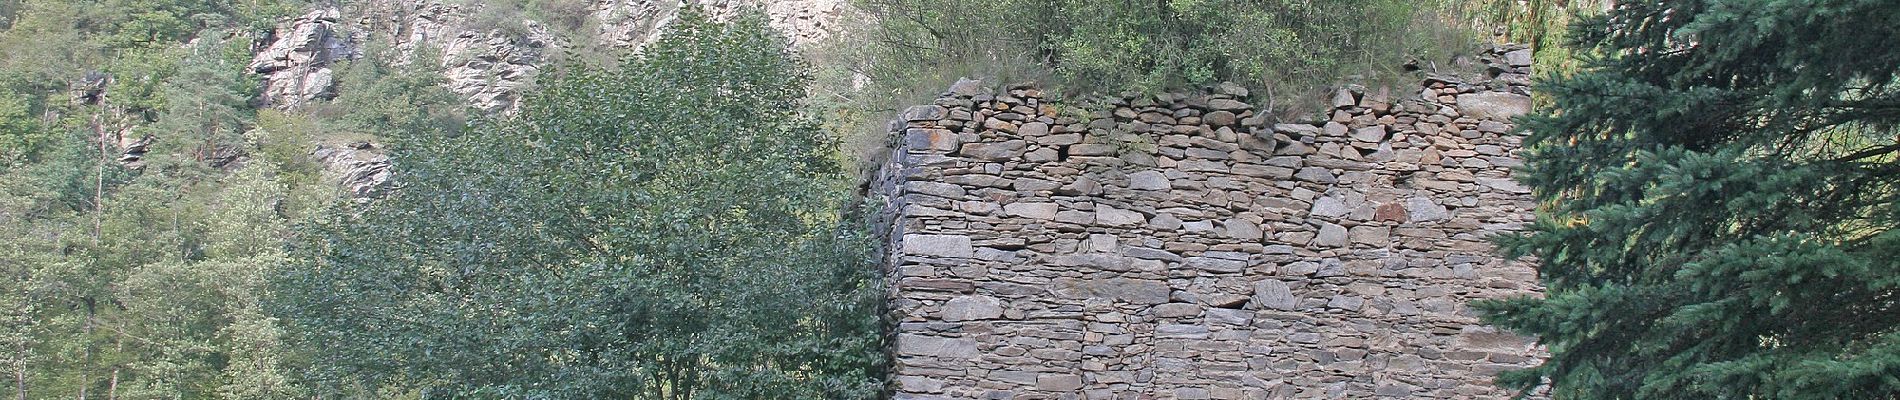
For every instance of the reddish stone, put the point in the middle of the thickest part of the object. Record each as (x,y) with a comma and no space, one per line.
(1394,212)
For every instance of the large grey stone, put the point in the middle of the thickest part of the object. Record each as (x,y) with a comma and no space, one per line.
(910,344)
(1044,211)
(1151,254)
(1003,151)
(1111,216)
(1316,175)
(1175,331)
(1176,310)
(1274,294)
(936,189)
(1136,291)
(1033,129)
(1420,209)
(925,113)
(954,246)
(1343,99)
(1243,230)
(1518,58)
(1106,262)
(1058,382)
(975,307)
(1148,180)
(1330,207)
(1494,105)
(1375,236)
(1227,104)
(1375,134)
(1331,235)
(1216,265)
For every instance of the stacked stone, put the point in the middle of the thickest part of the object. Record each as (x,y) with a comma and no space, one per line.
(1180,246)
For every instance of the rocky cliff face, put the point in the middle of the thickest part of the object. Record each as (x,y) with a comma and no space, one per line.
(295,62)
(1181,246)
(488,66)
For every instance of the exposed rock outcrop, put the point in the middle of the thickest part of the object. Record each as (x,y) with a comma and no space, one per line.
(361,169)
(296,59)
(1183,246)
(490,67)
(633,23)
(487,65)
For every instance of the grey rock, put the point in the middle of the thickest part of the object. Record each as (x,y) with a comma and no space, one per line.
(1227,105)
(1343,98)
(1518,58)
(967,87)
(1003,151)
(1420,209)
(1058,382)
(932,346)
(1175,331)
(968,308)
(1243,230)
(1231,89)
(1274,294)
(1177,310)
(1494,105)
(1040,211)
(1375,134)
(925,113)
(1112,216)
(1151,254)
(954,246)
(1148,180)
(1215,265)
(1331,235)
(1316,174)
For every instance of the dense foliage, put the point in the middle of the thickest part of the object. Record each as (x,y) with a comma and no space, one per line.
(1151,45)
(668,229)
(1720,204)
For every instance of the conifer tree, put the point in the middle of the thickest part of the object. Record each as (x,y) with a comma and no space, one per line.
(1718,190)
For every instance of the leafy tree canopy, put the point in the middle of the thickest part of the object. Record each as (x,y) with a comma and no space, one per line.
(667,228)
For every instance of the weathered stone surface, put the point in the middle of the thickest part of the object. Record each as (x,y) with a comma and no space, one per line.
(1058,382)
(956,246)
(929,138)
(994,151)
(932,346)
(1149,249)
(1316,174)
(1518,58)
(1227,105)
(1375,133)
(1135,291)
(1274,294)
(1421,209)
(967,308)
(1331,235)
(1494,105)
(1112,216)
(925,113)
(1032,210)
(1177,310)
(1148,180)
(1219,118)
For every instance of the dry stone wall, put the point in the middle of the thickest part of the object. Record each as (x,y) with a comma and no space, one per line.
(1183,247)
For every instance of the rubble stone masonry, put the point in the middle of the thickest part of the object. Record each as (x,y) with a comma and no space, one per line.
(1181,246)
